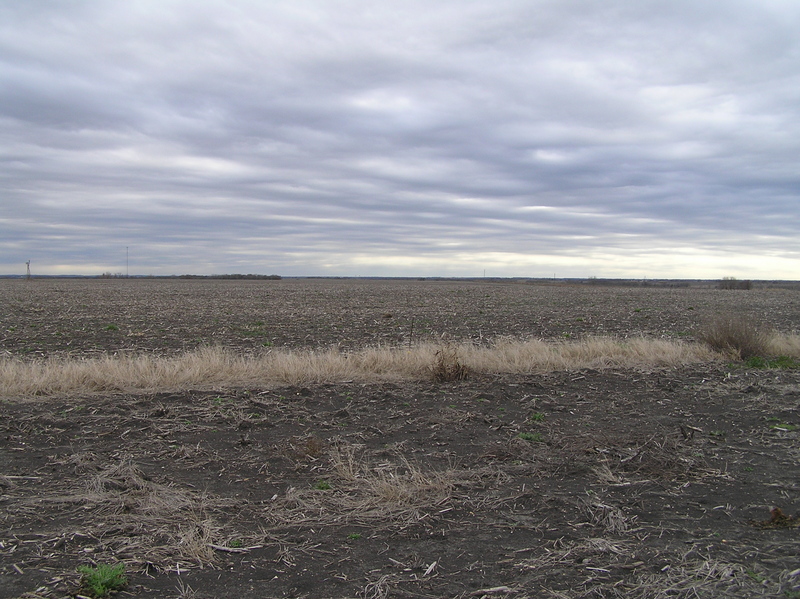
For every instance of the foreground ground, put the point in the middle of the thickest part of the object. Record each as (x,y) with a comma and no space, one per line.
(614,483)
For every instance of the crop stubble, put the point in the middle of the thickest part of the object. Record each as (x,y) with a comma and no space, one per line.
(626,483)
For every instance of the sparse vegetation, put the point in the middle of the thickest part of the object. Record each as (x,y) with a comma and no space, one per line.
(101,579)
(736,335)
(783,426)
(447,366)
(214,366)
(778,363)
(734,283)
(611,461)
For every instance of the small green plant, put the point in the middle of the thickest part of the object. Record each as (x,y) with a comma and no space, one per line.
(236,544)
(533,437)
(788,428)
(536,417)
(759,578)
(784,362)
(755,362)
(778,363)
(353,536)
(322,485)
(112,327)
(101,579)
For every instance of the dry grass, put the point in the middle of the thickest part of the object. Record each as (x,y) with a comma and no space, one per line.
(783,345)
(146,522)
(364,492)
(213,367)
(448,366)
(690,576)
(735,335)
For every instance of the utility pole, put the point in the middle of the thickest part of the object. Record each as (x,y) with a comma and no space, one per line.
(126,261)
(28,264)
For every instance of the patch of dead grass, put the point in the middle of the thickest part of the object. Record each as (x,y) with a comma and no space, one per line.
(605,563)
(144,521)
(363,491)
(735,335)
(213,367)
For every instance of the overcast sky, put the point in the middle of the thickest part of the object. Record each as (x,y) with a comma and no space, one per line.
(532,138)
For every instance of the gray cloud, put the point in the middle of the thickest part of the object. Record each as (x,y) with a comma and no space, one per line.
(354,138)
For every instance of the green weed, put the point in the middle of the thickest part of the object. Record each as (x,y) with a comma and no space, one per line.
(784,427)
(759,578)
(101,579)
(533,437)
(322,486)
(777,363)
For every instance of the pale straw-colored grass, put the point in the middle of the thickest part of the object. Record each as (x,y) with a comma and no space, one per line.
(780,344)
(214,367)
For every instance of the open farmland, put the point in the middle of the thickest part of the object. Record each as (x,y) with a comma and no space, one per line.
(647,481)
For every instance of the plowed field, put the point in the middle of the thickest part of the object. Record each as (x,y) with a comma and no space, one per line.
(602,483)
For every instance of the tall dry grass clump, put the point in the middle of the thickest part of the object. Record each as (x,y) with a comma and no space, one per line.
(737,336)
(215,367)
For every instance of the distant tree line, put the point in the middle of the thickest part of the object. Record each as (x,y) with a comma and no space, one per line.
(119,275)
(734,283)
(233,276)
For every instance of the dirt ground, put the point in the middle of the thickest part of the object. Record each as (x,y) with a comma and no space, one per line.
(613,483)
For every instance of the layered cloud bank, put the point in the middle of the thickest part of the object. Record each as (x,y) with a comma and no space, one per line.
(519,138)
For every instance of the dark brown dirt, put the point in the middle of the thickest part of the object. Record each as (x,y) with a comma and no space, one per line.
(80,317)
(614,483)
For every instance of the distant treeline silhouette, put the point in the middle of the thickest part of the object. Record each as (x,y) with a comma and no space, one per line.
(233,276)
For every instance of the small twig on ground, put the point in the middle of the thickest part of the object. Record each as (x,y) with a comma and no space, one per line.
(234,549)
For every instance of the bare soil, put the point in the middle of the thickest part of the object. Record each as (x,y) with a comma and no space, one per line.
(614,483)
